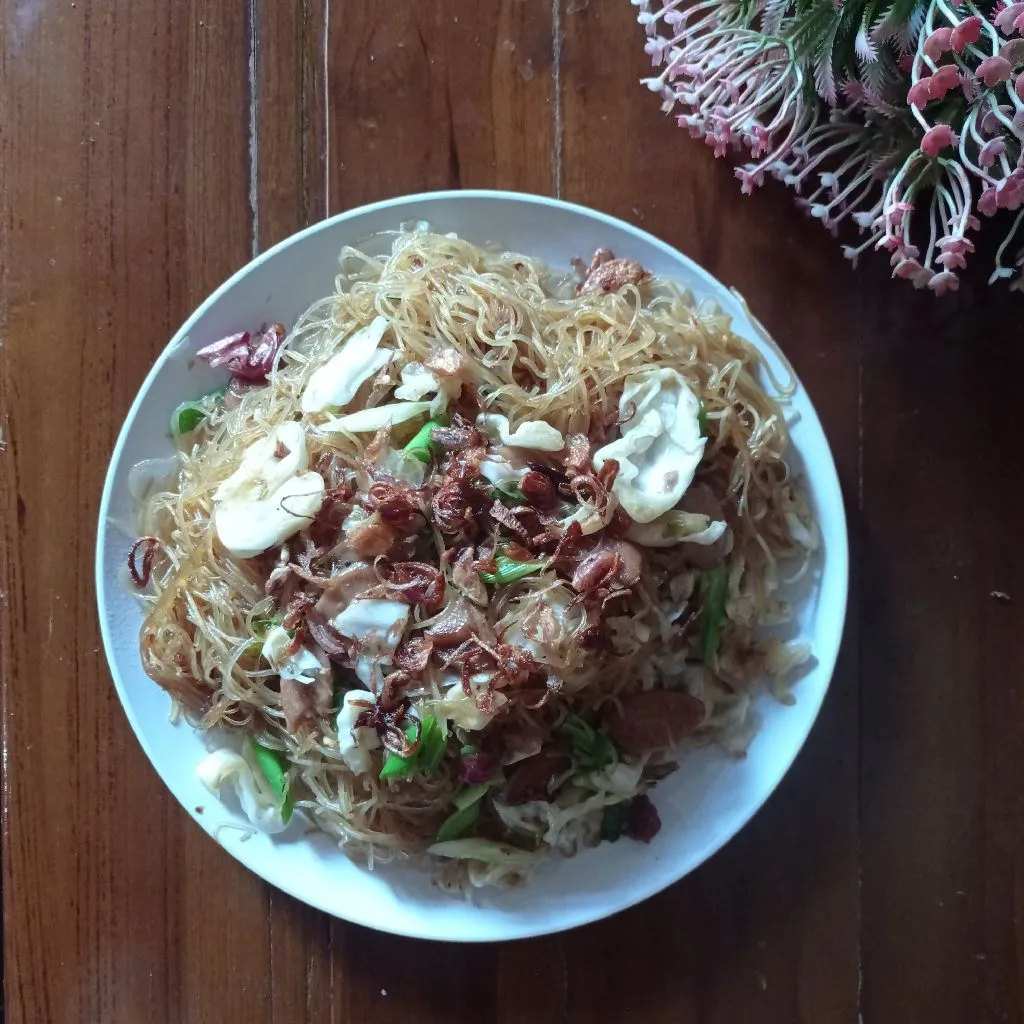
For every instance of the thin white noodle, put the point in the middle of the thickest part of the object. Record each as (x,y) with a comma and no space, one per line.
(536,350)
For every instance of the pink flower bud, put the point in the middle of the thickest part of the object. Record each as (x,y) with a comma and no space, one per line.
(967,32)
(907,269)
(894,214)
(748,181)
(717,143)
(945,78)
(990,152)
(1013,51)
(937,139)
(1010,192)
(937,44)
(988,202)
(953,260)
(920,93)
(956,243)
(1018,87)
(947,281)
(923,277)
(1010,18)
(993,70)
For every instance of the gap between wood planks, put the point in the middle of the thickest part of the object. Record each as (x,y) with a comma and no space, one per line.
(556,81)
(254,131)
(253,64)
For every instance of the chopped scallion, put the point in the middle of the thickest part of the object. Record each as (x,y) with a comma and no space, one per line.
(187,416)
(591,750)
(467,810)
(425,758)
(421,447)
(274,766)
(508,571)
(714,587)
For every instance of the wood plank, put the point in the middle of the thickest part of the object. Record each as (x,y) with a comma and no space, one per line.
(767,930)
(127,197)
(288,152)
(943,823)
(289,140)
(427,96)
(438,95)
(124,202)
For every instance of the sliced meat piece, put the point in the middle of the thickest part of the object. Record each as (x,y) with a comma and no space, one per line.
(613,563)
(653,719)
(344,588)
(466,577)
(459,622)
(701,500)
(607,274)
(304,703)
(529,779)
(577,459)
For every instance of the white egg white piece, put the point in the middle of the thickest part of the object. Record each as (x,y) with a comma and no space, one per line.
(271,495)
(247,528)
(261,470)
(376,628)
(304,665)
(355,744)
(533,434)
(225,767)
(660,447)
(334,385)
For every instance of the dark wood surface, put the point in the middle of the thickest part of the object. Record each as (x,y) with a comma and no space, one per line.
(147,150)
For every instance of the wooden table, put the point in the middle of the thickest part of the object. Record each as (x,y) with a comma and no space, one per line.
(151,148)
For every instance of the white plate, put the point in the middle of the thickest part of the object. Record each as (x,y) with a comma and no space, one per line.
(701,806)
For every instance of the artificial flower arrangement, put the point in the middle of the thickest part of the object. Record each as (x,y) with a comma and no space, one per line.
(902,117)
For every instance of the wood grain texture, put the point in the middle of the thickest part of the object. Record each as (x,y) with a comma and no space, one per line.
(147,150)
(455,94)
(112,232)
(768,929)
(943,662)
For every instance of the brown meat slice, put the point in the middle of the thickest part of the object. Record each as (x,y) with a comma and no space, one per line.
(304,703)
(460,621)
(345,587)
(613,563)
(701,500)
(607,274)
(529,779)
(653,719)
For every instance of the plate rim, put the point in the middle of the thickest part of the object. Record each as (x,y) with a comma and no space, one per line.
(827,485)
